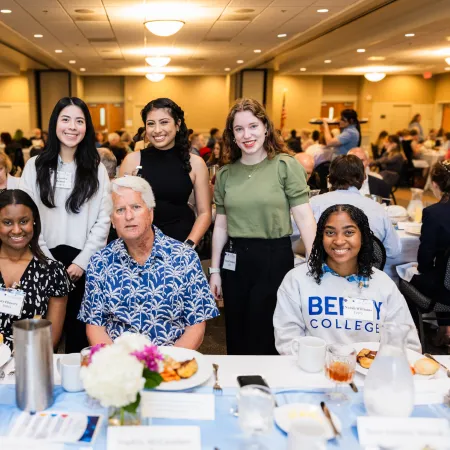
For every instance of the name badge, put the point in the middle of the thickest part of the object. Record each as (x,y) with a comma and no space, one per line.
(358,308)
(11,301)
(229,262)
(63,180)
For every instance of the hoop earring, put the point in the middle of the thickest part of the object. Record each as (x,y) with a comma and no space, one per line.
(266,133)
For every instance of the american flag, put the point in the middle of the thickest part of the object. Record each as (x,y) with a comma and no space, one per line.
(283,112)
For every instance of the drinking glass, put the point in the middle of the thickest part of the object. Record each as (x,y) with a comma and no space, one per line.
(340,362)
(256,405)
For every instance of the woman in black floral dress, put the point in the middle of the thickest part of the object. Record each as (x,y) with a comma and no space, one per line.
(42,282)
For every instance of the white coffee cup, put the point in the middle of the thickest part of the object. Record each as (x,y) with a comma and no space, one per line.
(310,353)
(308,434)
(69,368)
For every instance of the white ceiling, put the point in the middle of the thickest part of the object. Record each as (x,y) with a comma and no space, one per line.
(108,38)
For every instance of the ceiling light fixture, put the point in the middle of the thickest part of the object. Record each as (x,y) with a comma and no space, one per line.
(82,69)
(227,69)
(409,35)
(302,69)
(447,60)
(72,61)
(374,76)
(240,61)
(5,11)
(257,51)
(58,51)
(158,61)
(38,35)
(155,77)
(327,61)
(164,27)
(322,10)
(376,58)
(361,50)
(282,35)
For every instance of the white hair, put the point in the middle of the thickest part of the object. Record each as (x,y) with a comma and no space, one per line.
(113,137)
(137,184)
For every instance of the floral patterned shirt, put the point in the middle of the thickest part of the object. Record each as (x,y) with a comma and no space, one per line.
(159,299)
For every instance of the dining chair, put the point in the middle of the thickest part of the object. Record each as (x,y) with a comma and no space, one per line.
(380,253)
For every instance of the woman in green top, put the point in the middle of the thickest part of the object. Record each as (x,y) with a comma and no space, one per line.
(254,194)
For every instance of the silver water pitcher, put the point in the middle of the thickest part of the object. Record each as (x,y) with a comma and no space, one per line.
(33,354)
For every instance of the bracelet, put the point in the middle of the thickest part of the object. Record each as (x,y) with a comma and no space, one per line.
(213,270)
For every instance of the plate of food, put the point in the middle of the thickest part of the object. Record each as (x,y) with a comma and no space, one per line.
(5,351)
(421,366)
(286,414)
(183,369)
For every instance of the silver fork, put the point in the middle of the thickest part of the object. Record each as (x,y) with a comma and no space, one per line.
(216,388)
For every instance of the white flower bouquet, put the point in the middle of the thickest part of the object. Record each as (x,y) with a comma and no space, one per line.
(117,373)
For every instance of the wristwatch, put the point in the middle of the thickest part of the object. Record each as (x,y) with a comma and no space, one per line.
(190,243)
(212,270)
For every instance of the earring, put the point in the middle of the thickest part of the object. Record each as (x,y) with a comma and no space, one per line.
(266,133)
(34,223)
(234,140)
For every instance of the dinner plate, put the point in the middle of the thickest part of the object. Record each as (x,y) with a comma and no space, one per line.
(410,354)
(203,374)
(286,414)
(5,353)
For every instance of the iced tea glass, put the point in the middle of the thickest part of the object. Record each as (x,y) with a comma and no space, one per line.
(340,362)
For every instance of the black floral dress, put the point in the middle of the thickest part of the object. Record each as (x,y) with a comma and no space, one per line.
(39,282)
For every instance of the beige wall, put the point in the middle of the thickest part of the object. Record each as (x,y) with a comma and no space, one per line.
(54,86)
(303,99)
(204,99)
(14,104)
(341,88)
(77,86)
(443,88)
(103,89)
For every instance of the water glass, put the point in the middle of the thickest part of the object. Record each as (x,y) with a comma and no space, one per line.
(256,404)
(340,363)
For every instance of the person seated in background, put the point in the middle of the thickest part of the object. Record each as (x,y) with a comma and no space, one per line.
(416,145)
(310,300)
(113,140)
(197,143)
(315,136)
(37,140)
(99,139)
(346,178)
(434,248)
(20,139)
(305,139)
(446,145)
(430,141)
(294,143)
(42,282)
(109,160)
(373,183)
(205,153)
(214,136)
(307,161)
(216,155)
(391,164)
(7,181)
(145,282)
(126,140)
(14,151)
(320,152)
(379,147)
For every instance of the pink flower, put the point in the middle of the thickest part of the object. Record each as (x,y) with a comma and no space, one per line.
(95,349)
(150,357)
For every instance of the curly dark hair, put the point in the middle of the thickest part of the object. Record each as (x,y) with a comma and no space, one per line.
(273,144)
(181,138)
(366,257)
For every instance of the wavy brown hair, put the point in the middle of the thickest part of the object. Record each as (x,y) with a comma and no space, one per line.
(273,144)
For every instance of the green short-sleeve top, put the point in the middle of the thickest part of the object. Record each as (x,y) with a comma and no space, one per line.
(257,198)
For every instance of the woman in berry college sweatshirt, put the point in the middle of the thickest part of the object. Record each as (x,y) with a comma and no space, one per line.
(314,298)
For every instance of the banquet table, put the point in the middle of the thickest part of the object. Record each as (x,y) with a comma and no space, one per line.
(431,157)
(288,382)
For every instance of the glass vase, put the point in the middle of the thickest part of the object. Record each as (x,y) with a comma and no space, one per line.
(120,417)
(389,385)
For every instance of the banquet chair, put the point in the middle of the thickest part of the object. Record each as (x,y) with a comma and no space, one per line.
(323,170)
(424,304)
(375,152)
(379,253)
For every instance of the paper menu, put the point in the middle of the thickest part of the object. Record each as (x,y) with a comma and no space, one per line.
(7,443)
(154,438)
(56,427)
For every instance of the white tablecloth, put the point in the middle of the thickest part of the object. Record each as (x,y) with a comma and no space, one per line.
(432,157)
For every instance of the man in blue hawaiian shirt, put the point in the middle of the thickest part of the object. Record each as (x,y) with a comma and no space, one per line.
(145,282)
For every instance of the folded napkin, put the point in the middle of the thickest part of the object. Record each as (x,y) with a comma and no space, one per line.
(407,271)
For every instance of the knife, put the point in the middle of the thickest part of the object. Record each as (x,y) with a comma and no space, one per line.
(435,360)
(353,386)
(326,411)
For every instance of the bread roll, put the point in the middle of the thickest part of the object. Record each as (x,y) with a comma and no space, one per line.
(426,366)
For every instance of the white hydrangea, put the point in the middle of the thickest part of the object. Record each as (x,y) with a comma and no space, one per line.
(114,377)
(132,342)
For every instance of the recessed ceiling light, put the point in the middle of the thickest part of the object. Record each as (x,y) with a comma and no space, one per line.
(240,61)
(72,61)
(227,69)
(376,58)
(302,69)
(257,51)
(327,61)
(82,69)
(322,10)
(38,35)
(282,35)
(58,51)
(361,50)
(409,35)
(5,11)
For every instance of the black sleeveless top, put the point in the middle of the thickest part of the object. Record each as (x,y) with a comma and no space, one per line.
(172,186)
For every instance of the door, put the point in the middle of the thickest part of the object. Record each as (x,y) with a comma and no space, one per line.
(107,117)
(446,117)
(334,109)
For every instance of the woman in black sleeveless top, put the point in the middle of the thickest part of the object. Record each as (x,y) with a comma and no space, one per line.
(172,172)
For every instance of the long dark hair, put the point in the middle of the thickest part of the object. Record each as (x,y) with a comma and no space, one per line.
(351,116)
(18,197)
(318,255)
(87,160)
(181,138)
